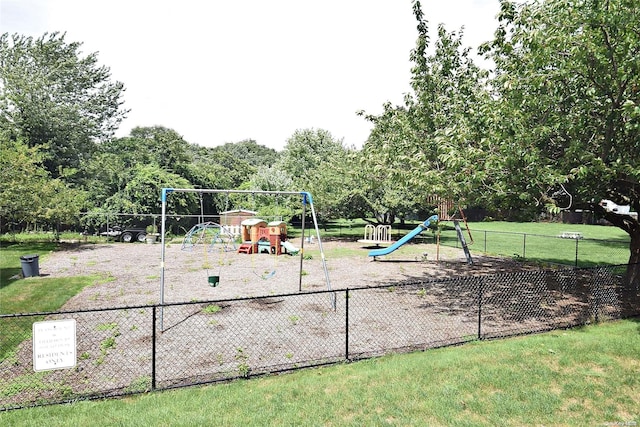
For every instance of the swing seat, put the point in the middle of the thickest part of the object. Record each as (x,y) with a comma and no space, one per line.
(214,281)
(266,276)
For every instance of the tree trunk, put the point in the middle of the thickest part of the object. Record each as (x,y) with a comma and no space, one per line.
(632,227)
(632,280)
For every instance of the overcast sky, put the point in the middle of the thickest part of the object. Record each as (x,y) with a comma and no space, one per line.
(223,71)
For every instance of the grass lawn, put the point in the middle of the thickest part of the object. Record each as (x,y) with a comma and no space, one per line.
(552,229)
(30,295)
(585,376)
(540,242)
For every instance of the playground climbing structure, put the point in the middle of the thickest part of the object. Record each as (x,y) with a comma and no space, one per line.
(209,234)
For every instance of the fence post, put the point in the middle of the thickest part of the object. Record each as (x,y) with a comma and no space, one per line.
(346,325)
(485,241)
(153,348)
(480,292)
(524,245)
(595,291)
(576,262)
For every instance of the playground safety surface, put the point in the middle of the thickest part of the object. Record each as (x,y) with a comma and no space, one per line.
(131,272)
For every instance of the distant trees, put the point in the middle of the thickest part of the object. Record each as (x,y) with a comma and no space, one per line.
(54,98)
(248,151)
(28,194)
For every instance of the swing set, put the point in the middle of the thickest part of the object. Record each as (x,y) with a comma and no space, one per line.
(197,235)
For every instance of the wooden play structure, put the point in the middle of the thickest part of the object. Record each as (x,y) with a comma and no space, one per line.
(454,213)
(260,237)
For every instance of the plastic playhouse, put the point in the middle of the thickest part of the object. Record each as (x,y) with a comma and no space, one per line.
(260,237)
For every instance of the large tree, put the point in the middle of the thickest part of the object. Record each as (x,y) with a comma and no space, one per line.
(404,161)
(314,160)
(568,85)
(54,97)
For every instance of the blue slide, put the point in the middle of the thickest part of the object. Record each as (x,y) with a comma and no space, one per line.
(419,229)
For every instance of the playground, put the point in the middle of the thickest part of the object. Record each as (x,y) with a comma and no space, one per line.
(131,272)
(219,303)
(247,256)
(266,314)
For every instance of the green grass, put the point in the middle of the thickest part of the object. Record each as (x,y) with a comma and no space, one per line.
(10,254)
(586,376)
(33,295)
(539,242)
(552,229)
(30,295)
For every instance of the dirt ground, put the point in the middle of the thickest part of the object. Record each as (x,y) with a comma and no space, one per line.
(256,334)
(130,274)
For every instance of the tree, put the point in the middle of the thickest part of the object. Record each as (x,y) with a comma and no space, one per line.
(23,179)
(249,151)
(317,163)
(305,151)
(568,85)
(270,179)
(404,159)
(28,194)
(160,145)
(141,194)
(54,98)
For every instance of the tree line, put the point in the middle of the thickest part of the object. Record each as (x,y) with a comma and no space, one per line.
(553,125)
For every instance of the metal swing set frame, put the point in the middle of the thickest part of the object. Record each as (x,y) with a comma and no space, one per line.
(307,200)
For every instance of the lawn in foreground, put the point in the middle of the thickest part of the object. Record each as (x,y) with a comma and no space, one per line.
(585,376)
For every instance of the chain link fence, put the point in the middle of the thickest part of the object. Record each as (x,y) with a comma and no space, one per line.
(122,351)
(565,249)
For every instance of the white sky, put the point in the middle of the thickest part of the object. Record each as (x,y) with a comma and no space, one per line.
(223,71)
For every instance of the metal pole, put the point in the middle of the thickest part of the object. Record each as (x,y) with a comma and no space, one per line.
(324,260)
(153,348)
(304,215)
(485,241)
(480,292)
(346,325)
(163,222)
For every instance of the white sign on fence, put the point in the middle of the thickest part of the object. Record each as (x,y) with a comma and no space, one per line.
(54,344)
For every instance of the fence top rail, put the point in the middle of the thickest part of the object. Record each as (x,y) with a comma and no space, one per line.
(84,310)
(519,233)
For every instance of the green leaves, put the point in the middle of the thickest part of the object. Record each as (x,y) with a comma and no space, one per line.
(566,82)
(56,98)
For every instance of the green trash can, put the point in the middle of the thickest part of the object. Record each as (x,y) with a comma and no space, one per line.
(30,267)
